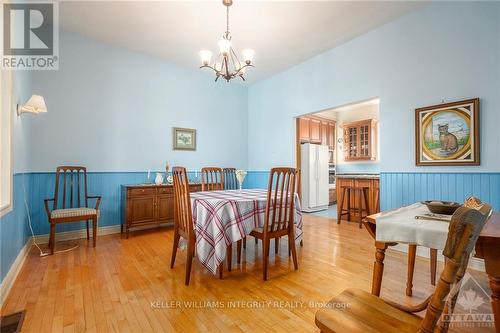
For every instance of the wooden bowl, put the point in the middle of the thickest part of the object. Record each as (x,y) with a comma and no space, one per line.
(442,207)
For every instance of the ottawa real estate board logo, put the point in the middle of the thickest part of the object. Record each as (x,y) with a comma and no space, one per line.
(473,306)
(29,35)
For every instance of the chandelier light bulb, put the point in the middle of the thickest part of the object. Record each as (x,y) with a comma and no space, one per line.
(248,55)
(206,56)
(224,46)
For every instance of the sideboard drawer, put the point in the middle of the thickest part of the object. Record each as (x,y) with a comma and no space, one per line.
(165,190)
(141,191)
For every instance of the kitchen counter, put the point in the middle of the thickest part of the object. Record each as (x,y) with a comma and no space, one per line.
(358,175)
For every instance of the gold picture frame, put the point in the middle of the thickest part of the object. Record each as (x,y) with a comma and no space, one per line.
(448,134)
(183,138)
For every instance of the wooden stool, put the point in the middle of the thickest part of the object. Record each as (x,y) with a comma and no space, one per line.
(363,196)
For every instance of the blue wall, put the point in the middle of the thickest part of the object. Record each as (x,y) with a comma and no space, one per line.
(417,60)
(402,188)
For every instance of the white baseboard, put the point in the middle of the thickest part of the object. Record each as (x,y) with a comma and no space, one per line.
(14,270)
(474,263)
(78,234)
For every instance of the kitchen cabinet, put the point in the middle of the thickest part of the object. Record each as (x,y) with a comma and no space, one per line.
(317,130)
(360,140)
(304,129)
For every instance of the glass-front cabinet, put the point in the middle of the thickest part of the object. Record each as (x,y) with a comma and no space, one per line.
(360,139)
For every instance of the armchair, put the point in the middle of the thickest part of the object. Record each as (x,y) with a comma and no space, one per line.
(73,181)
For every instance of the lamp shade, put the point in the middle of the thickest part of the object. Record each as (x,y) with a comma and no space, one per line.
(36,104)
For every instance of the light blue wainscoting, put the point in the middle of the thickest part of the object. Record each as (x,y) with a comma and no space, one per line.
(256,179)
(13,226)
(105,184)
(400,189)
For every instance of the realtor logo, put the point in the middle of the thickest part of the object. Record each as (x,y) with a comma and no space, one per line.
(473,307)
(30,36)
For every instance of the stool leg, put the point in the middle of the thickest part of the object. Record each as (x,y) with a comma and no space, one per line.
(360,202)
(349,204)
(367,205)
(340,206)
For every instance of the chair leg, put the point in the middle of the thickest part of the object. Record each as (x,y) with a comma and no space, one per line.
(52,237)
(245,242)
(221,270)
(256,241)
(265,251)
(291,244)
(189,263)
(229,256)
(238,250)
(88,236)
(276,245)
(94,230)
(412,251)
(174,249)
(301,242)
(433,255)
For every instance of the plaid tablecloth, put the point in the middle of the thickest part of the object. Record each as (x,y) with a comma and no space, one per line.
(224,217)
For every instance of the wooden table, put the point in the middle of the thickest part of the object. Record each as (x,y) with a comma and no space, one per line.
(487,248)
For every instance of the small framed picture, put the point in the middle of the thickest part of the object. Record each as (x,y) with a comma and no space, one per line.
(448,134)
(184,139)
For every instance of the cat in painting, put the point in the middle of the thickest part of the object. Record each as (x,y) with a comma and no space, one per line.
(449,142)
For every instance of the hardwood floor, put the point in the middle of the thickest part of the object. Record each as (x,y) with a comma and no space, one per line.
(126,285)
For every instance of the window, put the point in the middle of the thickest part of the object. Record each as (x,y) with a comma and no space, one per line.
(5,142)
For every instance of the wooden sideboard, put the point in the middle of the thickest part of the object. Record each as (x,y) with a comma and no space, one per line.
(372,183)
(148,205)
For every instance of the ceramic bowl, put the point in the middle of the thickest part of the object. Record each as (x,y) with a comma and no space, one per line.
(442,207)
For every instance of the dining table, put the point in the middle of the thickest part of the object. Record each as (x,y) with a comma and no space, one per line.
(486,248)
(222,218)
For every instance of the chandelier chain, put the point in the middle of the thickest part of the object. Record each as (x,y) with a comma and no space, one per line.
(227,20)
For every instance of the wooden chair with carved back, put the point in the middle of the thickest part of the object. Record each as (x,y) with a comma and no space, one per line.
(369,313)
(71,204)
(183,220)
(279,214)
(212,179)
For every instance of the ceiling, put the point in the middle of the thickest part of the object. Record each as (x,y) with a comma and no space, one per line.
(282,33)
(354,107)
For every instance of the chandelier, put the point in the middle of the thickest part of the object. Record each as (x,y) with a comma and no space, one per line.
(227,63)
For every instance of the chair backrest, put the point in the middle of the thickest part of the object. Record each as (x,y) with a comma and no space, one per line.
(280,199)
(465,226)
(71,187)
(212,179)
(230,181)
(183,220)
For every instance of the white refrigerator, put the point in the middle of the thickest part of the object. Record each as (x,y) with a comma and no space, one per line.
(314,171)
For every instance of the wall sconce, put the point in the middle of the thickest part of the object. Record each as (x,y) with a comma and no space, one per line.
(36,105)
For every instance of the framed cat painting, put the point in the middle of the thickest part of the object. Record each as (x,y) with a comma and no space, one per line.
(448,134)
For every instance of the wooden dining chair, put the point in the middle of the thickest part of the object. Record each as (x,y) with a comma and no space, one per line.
(230,180)
(72,203)
(231,183)
(279,214)
(369,313)
(183,220)
(212,179)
